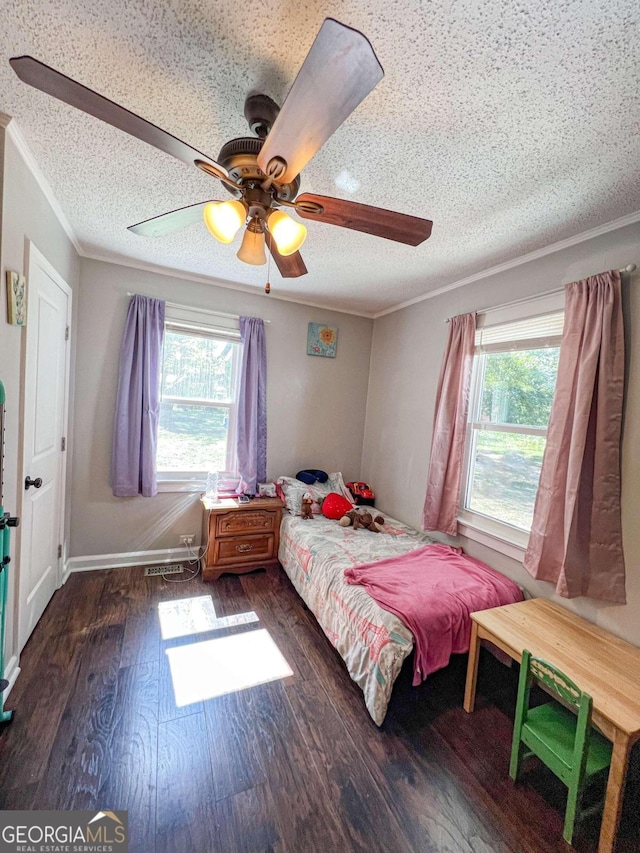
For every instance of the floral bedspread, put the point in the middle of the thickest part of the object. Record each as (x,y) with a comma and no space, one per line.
(372,642)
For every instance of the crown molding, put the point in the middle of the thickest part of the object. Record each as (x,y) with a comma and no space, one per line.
(629,219)
(15,134)
(132,263)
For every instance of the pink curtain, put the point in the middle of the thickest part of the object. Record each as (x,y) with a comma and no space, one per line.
(449,427)
(576,535)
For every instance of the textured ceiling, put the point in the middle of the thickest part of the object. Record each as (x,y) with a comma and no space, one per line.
(512,124)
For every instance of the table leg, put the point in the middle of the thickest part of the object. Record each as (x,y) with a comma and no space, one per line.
(472,670)
(615,792)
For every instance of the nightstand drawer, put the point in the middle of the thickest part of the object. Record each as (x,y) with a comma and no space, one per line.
(244,549)
(249,521)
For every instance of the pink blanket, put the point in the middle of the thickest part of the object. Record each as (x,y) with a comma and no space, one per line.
(433,590)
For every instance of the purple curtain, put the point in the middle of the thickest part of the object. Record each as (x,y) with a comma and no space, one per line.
(449,428)
(576,535)
(252,407)
(135,433)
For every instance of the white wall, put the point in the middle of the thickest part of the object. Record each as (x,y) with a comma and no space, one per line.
(26,215)
(315,406)
(406,354)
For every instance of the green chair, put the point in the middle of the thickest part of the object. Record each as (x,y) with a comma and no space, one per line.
(567,744)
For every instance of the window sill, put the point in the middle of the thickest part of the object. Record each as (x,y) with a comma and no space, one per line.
(497,540)
(193,485)
(186,485)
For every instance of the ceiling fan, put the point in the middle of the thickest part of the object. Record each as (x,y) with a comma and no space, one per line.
(263,171)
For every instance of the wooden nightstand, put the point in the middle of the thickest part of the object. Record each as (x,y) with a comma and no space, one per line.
(241,537)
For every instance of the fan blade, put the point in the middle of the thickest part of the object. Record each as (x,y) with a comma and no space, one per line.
(174,220)
(338,73)
(362,217)
(52,82)
(290,266)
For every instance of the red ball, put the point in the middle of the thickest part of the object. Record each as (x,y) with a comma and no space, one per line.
(335,505)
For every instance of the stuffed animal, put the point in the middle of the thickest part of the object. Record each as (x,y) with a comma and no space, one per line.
(305,510)
(362,519)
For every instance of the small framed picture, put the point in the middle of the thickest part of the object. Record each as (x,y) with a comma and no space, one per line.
(16,299)
(322,340)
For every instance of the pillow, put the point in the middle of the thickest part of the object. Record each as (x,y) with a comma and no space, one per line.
(294,490)
(335,506)
(292,493)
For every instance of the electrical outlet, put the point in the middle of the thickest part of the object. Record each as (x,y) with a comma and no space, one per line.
(187,538)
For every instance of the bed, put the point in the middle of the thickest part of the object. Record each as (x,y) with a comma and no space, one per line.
(372,641)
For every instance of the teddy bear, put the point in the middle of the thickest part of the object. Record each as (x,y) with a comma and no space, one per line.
(362,519)
(348,518)
(305,509)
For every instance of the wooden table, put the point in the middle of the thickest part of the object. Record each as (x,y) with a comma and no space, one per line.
(602,665)
(240,537)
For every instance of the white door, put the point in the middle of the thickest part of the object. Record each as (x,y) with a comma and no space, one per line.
(45,417)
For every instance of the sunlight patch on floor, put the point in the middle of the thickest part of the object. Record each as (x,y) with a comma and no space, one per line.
(212,668)
(186,616)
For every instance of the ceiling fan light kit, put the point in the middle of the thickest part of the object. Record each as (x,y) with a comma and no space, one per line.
(252,249)
(263,172)
(224,219)
(288,234)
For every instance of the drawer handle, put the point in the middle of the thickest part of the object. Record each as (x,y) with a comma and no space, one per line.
(243,549)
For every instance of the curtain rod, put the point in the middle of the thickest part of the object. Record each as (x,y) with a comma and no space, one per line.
(628,269)
(200,310)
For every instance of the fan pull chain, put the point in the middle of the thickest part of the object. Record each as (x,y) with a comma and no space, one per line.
(267,287)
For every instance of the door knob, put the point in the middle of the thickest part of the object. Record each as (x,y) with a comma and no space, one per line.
(29,482)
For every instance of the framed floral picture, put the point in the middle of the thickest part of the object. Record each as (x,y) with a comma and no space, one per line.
(16,299)
(322,340)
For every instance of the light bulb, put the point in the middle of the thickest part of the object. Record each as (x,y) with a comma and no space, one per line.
(252,249)
(288,234)
(224,219)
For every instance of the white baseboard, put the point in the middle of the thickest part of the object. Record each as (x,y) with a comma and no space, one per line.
(125,560)
(11,672)
(65,564)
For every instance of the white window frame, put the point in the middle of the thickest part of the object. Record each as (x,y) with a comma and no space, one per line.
(204,324)
(499,535)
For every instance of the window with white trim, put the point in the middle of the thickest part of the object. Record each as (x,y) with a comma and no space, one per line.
(199,397)
(513,384)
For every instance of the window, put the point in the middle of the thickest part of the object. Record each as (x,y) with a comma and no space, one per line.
(513,383)
(199,390)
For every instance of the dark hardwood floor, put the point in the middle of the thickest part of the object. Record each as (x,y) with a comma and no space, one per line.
(294,764)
